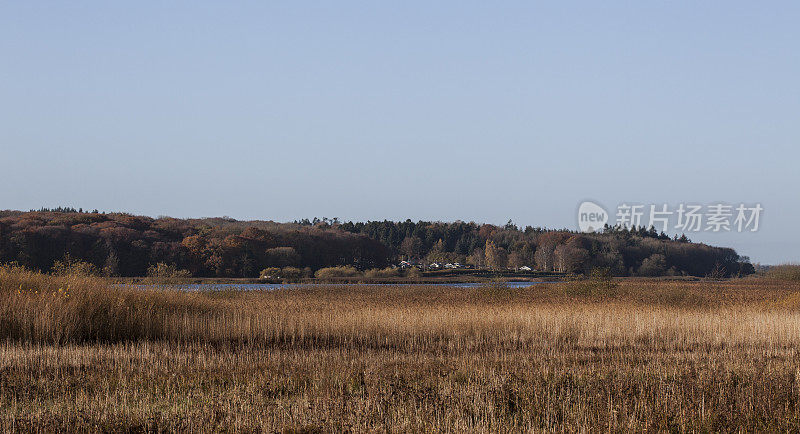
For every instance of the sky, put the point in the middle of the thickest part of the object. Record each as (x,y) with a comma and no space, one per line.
(393,110)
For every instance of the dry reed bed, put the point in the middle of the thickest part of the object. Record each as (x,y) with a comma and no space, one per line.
(194,387)
(645,355)
(38,308)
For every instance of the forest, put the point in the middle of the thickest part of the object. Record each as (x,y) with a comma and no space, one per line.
(125,245)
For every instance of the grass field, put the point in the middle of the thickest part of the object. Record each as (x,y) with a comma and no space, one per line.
(637,355)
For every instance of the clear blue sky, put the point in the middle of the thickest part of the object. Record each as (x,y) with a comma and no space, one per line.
(421,110)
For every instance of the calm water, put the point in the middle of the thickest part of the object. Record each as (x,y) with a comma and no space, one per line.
(269,286)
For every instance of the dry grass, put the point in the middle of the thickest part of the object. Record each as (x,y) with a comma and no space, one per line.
(642,355)
(785,272)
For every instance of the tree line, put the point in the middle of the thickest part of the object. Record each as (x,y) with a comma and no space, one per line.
(120,244)
(636,251)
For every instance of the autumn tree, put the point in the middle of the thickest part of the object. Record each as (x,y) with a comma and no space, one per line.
(477,258)
(654,265)
(412,247)
(496,257)
(570,258)
(522,254)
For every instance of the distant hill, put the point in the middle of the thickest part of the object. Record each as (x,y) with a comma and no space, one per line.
(127,245)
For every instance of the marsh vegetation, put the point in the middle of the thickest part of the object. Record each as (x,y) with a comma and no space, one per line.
(635,354)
